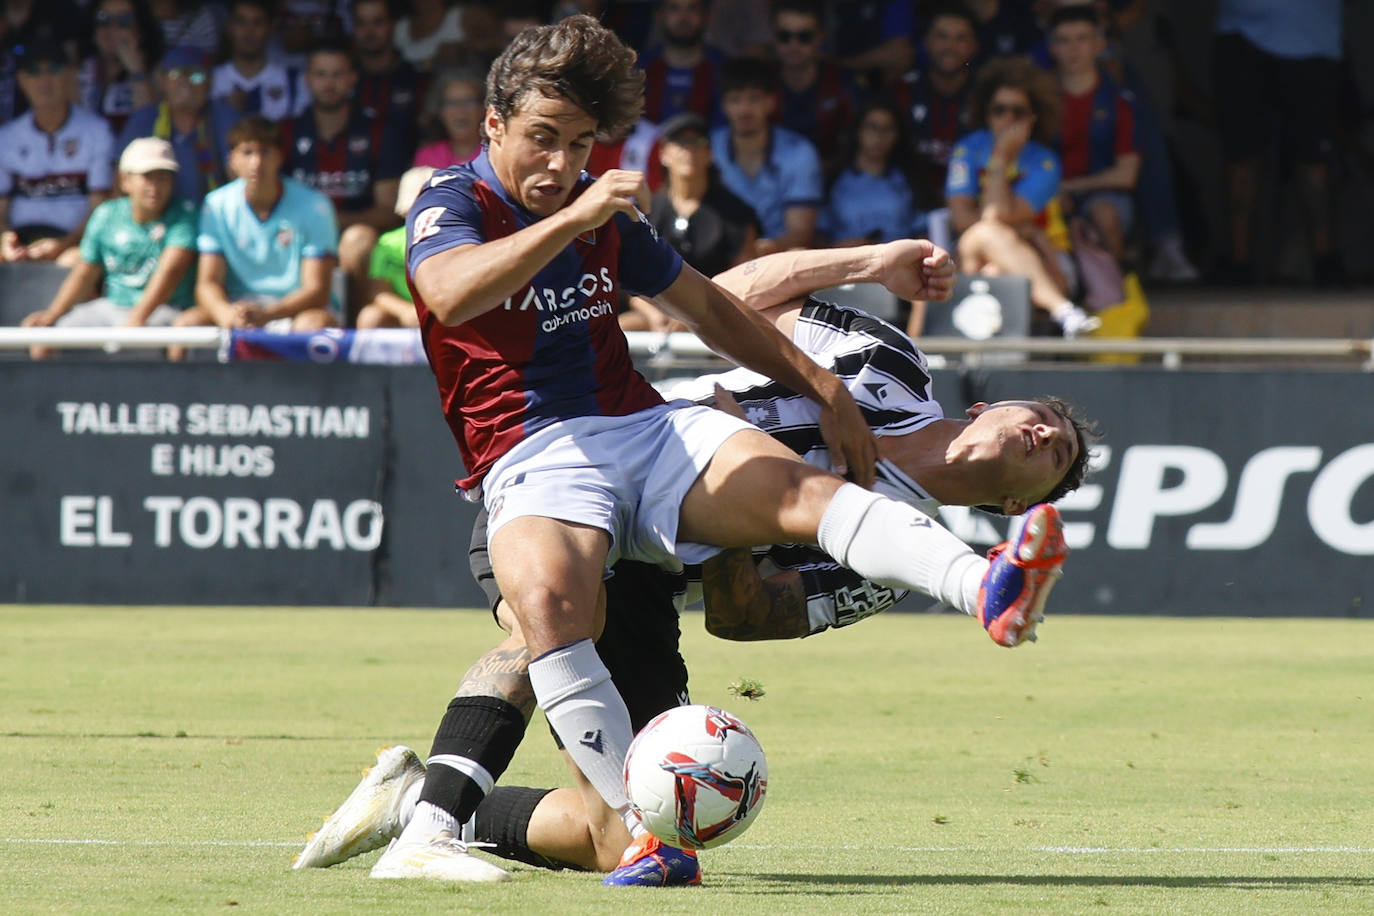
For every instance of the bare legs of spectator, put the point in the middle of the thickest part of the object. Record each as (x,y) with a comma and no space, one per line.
(355,252)
(990,246)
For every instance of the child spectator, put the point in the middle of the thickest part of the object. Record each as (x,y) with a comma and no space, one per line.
(1097,129)
(389,303)
(196,125)
(55,161)
(871,200)
(451,119)
(143,247)
(267,243)
(774,170)
(117,76)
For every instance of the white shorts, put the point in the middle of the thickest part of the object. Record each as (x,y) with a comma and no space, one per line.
(625,475)
(102,313)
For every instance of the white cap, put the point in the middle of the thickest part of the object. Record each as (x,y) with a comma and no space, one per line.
(412,183)
(148,154)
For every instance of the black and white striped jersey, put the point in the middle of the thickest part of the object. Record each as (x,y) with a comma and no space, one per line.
(880,365)
(891,382)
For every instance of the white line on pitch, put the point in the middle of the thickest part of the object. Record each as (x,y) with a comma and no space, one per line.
(1055,850)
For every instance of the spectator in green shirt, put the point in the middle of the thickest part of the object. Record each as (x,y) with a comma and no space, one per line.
(142,245)
(389,304)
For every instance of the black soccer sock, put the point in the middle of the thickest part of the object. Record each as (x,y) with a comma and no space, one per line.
(472,748)
(503,820)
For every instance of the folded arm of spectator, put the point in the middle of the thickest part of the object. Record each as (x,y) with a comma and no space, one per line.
(313,293)
(81,284)
(382,214)
(171,268)
(1120,176)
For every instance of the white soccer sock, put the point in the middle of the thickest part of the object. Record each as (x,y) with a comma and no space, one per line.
(409,800)
(897,545)
(426,821)
(575,691)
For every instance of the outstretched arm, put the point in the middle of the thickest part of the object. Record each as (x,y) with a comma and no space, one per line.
(909,268)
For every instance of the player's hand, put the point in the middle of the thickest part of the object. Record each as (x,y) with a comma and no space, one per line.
(916,269)
(616,191)
(853,447)
(725,402)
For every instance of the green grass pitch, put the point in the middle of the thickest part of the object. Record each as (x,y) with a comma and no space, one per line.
(173,760)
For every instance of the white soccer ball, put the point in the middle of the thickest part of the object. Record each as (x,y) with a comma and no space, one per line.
(696,776)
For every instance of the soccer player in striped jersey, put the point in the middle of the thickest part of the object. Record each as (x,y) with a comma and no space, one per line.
(783,591)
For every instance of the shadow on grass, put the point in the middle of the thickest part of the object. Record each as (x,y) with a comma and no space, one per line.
(1237,882)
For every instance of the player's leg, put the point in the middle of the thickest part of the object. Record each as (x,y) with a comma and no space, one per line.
(755,491)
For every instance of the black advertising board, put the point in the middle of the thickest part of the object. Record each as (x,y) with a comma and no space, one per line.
(1218,492)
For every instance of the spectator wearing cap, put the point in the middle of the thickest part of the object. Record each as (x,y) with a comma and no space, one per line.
(250,80)
(356,160)
(141,246)
(774,170)
(694,212)
(196,125)
(267,243)
(389,301)
(55,161)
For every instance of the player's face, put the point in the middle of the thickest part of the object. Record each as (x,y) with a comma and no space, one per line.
(249,28)
(372,27)
(1075,46)
(1027,446)
(330,79)
(540,150)
(747,110)
(149,192)
(950,44)
(796,38)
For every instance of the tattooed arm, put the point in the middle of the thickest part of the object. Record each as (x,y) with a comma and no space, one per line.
(743,605)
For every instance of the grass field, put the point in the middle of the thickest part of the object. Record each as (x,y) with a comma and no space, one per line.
(172,760)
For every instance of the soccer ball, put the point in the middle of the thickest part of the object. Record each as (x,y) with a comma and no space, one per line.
(696,776)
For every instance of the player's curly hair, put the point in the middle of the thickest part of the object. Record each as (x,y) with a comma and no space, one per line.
(577,59)
(1085,431)
(1018,73)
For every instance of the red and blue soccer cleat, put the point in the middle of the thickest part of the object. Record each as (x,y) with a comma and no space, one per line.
(1011,600)
(649,863)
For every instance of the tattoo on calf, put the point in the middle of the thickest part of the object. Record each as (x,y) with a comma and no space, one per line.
(503,673)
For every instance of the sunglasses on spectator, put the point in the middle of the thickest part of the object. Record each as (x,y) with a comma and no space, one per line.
(1016,111)
(121,20)
(194,77)
(804,36)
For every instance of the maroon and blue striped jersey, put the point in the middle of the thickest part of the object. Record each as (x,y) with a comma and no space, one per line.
(553,350)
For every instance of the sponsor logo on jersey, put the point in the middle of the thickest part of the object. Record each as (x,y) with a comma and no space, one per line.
(427,224)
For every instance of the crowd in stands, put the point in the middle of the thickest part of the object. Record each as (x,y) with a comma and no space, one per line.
(220,161)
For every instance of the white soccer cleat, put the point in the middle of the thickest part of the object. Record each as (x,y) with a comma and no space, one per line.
(439,858)
(370,816)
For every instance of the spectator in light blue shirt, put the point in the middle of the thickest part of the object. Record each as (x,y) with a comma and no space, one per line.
(871,200)
(775,171)
(268,244)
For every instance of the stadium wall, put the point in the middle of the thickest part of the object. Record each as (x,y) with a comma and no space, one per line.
(1217,492)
